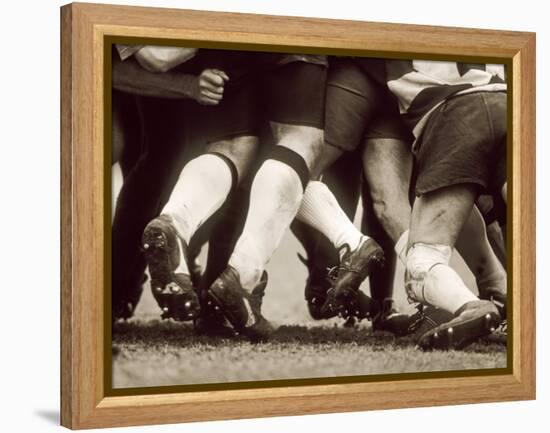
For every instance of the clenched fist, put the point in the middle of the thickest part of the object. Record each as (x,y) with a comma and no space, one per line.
(209,87)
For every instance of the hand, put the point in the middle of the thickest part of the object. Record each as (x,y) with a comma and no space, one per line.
(210,86)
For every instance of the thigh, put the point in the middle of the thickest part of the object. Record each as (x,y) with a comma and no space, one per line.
(306,141)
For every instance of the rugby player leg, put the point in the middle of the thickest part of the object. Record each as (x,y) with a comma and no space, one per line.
(358,253)
(474,247)
(139,198)
(493,212)
(343,179)
(276,192)
(127,140)
(390,160)
(351,102)
(453,168)
(202,188)
(387,166)
(473,243)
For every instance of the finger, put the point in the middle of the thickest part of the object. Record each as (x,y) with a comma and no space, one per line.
(212,95)
(212,78)
(221,74)
(205,85)
(208,101)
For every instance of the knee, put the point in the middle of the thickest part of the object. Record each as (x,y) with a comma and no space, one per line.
(306,141)
(241,151)
(380,206)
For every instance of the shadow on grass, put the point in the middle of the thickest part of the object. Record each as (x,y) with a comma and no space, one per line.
(170,333)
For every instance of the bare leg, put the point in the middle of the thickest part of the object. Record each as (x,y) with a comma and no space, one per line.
(476,250)
(496,236)
(387,166)
(437,220)
(438,217)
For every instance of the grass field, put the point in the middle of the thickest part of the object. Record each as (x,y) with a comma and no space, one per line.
(151,352)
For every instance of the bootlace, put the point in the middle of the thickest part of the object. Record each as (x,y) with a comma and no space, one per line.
(345,266)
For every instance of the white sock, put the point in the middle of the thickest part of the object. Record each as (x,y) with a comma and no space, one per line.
(430,279)
(320,210)
(201,189)
(275,196)
(400,247)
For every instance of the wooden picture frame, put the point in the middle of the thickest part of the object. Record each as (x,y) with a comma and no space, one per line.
(84,29)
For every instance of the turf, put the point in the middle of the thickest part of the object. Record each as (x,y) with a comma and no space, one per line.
(154,353)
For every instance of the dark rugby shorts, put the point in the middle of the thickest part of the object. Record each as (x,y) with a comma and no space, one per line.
(359,109)
(464,141)
(262,87)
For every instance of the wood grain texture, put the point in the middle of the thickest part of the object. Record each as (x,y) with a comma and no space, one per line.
(67,389)
(83,401)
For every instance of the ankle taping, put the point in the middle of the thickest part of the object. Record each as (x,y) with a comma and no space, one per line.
(421,259)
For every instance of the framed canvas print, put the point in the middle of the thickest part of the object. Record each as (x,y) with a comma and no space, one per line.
(266,216)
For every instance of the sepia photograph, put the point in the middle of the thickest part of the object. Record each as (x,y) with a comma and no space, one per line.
(280,216)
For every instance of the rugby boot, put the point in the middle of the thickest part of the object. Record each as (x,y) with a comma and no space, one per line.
(426,318)
(164,251)
(354,267)
(317,285)
(241,309)
(390,320)
(211,321)
(473,320)
(497,297)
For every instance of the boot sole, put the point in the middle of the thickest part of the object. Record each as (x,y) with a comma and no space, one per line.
(158,255)
(458,335)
